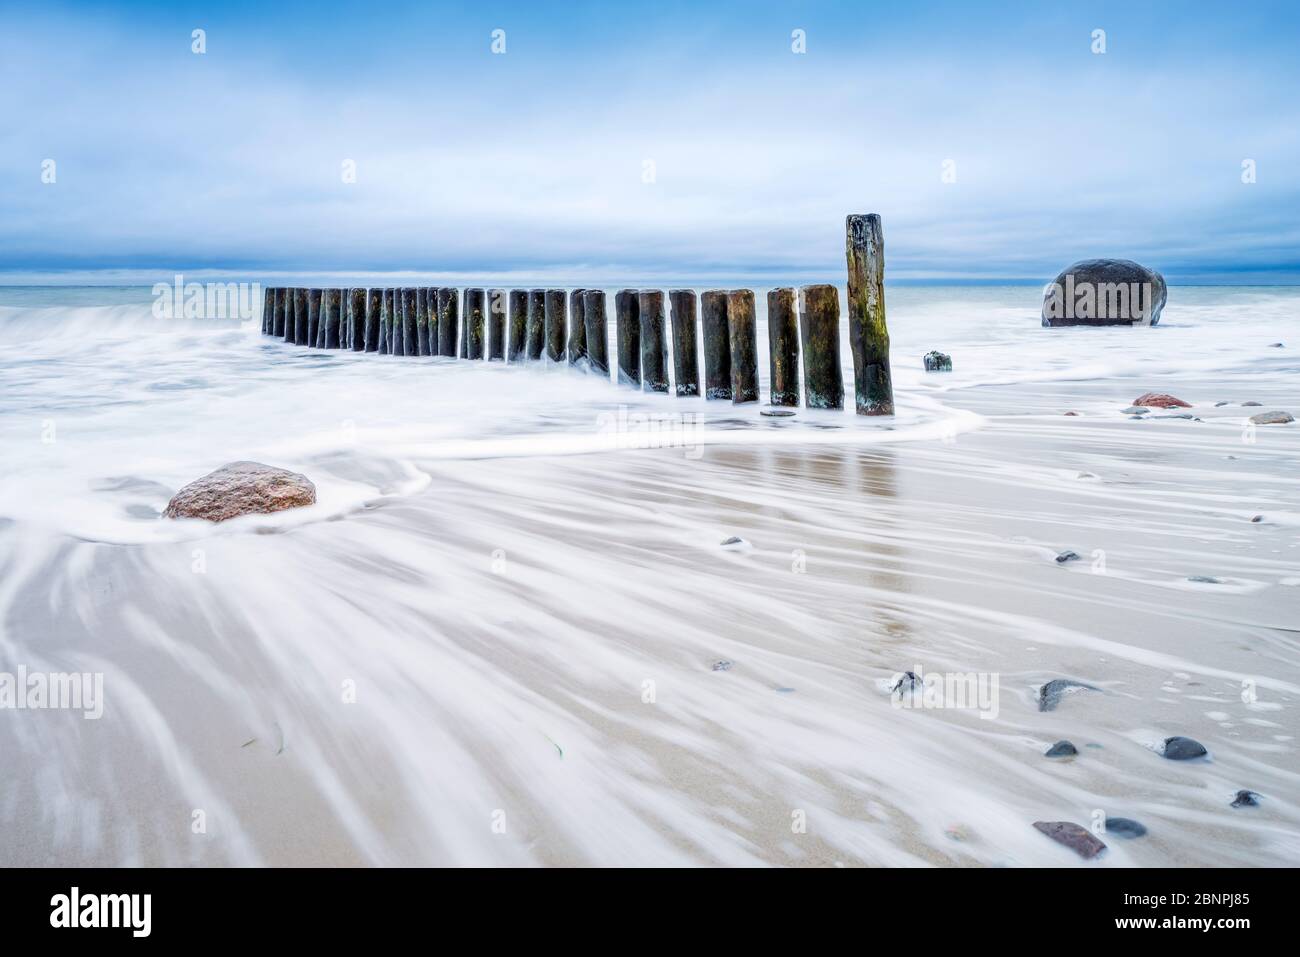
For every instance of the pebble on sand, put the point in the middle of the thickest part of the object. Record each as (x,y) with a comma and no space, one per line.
(1179,748)
(1245,798)
(734,542)
(241,488)
(1251,403)
(905,682)
(1161,400)
(1076,838)
(1062,749)
(937,362)
(1136,410)
(1272,418)
(722,664)
(1067,556)
(1049,696)
(1125,827)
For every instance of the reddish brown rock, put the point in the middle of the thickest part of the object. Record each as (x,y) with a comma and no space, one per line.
(1076,838)
(1159,400)
(241,488)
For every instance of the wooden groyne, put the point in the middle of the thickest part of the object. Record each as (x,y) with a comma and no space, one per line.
(523,326)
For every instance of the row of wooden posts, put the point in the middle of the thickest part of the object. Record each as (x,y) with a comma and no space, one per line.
(527,325)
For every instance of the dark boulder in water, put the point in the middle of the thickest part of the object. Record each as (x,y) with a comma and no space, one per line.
(1076,838)
(1272,418)
(1104,292)
(241,488)
(1062,749)
(1179,748)
(937,362)
(1049,695)
(1125,827)
(1245,798)
(905,682)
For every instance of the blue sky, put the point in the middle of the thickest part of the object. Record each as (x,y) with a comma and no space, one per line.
(535,160)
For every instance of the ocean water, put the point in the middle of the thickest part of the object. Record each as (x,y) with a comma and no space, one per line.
(508,632)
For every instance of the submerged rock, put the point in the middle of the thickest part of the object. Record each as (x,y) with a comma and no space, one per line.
(735,542)
(1205,579)
(722,664)
(1125,827)
(1252,403)
(1161,400)
(1136,410)
(1062,749)
(776,413)
(1067,556)
(1104,292)
(905,682)
(1179,748)
(1272,418)
(241,488)
(1245,798)
(1076,838)
(937,362)
(1049,695)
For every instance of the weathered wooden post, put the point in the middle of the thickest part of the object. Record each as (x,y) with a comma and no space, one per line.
(422,321)
(356,340)
(627,333)
(654,344)
(410,323)
(313,317)
(318,340)
(819,332)
(431,300)
(536,324)
(277,320)
(554,319)
(597,334)
(496,325)
(268,308)
(868,334)
(577,327)
(717,344)
(374,312)
(299,332)
(517,346)
(686,363)
(386,323)
(448,319)
(332,314)
(472,339)
(783,347)
(744,345)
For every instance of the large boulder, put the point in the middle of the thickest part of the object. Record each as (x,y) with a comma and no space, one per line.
(1104,292)
(241,488)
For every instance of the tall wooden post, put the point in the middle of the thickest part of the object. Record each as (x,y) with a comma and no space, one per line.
(717,344)
(819,332)
(868,334)
(374,312)
(277,320)
(554,318)
(744,345)
(422,321)
(448,319)
(496,325)
(410,323)
(654,344)
(268,308)
(472,340)
(386,323)
(686,363)
(783,347)
(536,324)
(627,333)
(431,301)
(356,339)
(313,317)
(299,317)
(517,337)
(597,332)
(577,345)
(333,315)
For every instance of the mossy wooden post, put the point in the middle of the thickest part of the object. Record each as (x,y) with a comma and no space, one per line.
(555,325)
(313,317)
(743,331)
(577,346)
(536,324)
(819,333)
(868,334)
(421,321)
(281,301)
(410,322)
(448,319)
(331,316)
(717,344)
(654,343)
(783,347)
(431,304)
(386,323)
(517,336)
(296,331)
(627,333)
(472,340)
(356,340)
(496,325)
(596,330)
(686,362)
(268,308)
(374,310)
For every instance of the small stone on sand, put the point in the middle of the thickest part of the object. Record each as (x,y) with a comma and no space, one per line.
(1076,838)
(1179,748)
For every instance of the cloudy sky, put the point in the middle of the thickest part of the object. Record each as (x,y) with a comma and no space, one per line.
(629,140)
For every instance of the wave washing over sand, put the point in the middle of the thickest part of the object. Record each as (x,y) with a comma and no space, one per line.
(507,634)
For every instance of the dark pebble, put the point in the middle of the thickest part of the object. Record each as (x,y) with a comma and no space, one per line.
(776,413)
(1183,749)
(1067,557)
(722,664)
(1076,838)
(1220,405)
(733,541)
(1125,827)
(1246,799)
(1049,696)
(1252,403)
(906,682)
(1205,579)
(1062,749)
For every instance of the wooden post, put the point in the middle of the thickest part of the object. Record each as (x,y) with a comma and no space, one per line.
(868,335)
(717,344)
(268,308)
(410,323)
(517,346)
(819,331)
(313,317)
(654,344)
(627,332)
(448,319)
(386,323)
(422,321)
(356,340)
(744,345)
(472,338)
(496,325)
(577,327)
(555,325)
(331,316)
(597,333)
(431,305)
(299,331)
(536,323)
(281,302)
(783,347)
(686,363)
(374,310)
